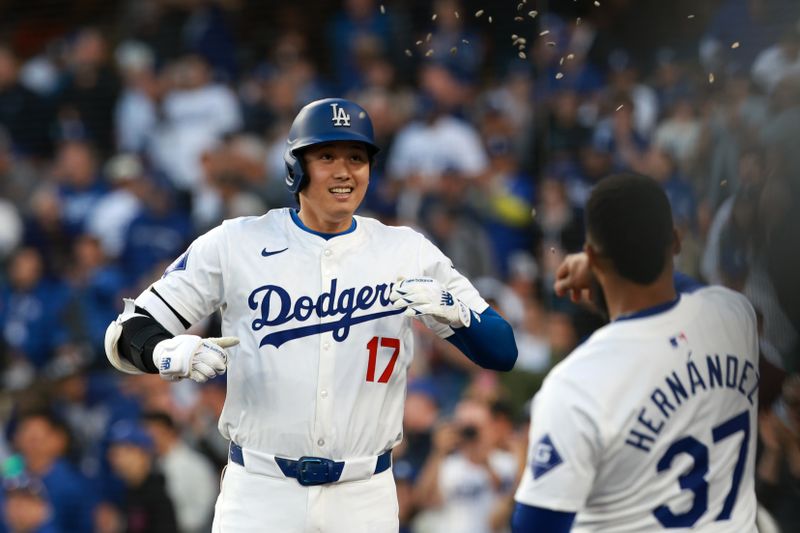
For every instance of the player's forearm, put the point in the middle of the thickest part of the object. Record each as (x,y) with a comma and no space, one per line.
(139,338)
(131,339)
(488,341)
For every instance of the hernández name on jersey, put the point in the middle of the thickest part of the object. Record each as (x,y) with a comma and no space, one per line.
(697,377)
(277,307)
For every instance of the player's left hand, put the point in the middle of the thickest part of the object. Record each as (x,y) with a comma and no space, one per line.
(189,356)
(427,297)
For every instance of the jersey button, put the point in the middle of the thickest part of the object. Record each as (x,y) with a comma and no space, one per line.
(326,345)
(324,394)
(321,442)
(327,252)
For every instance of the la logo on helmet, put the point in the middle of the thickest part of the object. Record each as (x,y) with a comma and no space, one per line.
(340,116)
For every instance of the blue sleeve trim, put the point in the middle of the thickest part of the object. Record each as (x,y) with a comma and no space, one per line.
(488,341)
(528,519)
(685,284)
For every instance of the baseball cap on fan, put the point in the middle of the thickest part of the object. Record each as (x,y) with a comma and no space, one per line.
(130,433)
(123,168)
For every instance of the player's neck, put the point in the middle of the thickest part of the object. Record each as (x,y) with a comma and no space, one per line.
(329,225)
(624,297)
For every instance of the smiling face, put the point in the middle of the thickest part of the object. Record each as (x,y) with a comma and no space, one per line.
(338,175)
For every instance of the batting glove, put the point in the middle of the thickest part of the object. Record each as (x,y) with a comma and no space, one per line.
(189,356)
(427,297)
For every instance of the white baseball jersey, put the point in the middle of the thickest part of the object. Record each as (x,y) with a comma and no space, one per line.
(321,367)
(651,423)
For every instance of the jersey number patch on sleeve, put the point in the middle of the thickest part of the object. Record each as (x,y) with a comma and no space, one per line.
(372,346)
(695,479)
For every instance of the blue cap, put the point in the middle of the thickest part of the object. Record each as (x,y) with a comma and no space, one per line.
(132,433)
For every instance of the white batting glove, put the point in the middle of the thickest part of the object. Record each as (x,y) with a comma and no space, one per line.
(427,297)
(189,356)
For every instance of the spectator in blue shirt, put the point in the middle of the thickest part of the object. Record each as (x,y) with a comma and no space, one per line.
(43,440)
(30,306)
(80,186)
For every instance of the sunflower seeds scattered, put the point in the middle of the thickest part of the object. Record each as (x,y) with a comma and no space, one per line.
(428,37)
(429,53)
(570,56)
(578,21)
(514,36)
(408,52)
(532,14)
(434,16)
(519,6)
(690,17)
(620,106)
(723,183)
(456,14)
(383,10)
(479,12)
(518,19)
(559,75)
(419,43)
(453,51)
(561,61)
(464,41)
(543,33)
(710,77)
(522,55)
(596,3)
(490,19)
(735,45)
(551,44)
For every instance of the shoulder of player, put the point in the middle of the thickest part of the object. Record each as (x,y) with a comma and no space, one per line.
(271,223)
(373,225)
(591,366)
(724,299)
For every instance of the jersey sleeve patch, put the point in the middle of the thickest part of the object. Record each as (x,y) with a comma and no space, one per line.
(545,457)
(179,264)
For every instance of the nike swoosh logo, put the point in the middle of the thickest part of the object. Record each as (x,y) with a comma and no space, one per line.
(267,253)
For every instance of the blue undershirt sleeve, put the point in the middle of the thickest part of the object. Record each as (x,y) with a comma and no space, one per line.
(528,519)
(488,341)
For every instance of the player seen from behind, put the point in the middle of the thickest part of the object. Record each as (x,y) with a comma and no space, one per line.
(317,307)
(651,423)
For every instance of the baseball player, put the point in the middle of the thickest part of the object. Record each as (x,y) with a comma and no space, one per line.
(316,310)
(651,423)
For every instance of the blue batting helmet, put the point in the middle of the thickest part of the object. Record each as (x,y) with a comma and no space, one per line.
(321,121)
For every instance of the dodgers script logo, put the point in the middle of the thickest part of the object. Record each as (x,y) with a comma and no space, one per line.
(340,116)
(277,307)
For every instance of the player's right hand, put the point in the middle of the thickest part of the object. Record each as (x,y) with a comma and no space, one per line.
(574,276)
(189,356)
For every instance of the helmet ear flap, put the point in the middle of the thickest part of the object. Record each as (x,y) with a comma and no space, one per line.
(295,174)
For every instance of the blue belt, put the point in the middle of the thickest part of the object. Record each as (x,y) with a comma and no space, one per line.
(313,470)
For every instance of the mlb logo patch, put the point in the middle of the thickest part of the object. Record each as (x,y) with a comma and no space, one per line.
(677,340)
(545,457)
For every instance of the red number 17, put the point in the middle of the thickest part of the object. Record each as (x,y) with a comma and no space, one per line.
(372,346)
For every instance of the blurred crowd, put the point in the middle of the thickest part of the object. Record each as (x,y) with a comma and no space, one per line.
(123,140)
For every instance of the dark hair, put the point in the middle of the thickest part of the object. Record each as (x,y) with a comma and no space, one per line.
(629,221)
(160,417)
